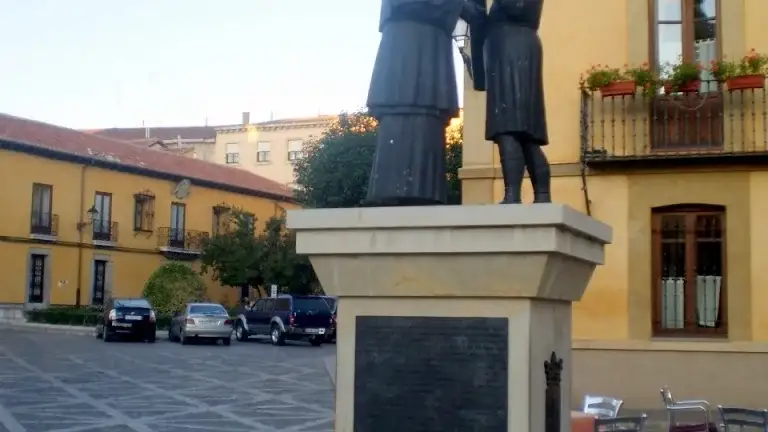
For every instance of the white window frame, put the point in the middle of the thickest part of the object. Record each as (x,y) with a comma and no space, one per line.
(295,150)
(263,149)
(232,153)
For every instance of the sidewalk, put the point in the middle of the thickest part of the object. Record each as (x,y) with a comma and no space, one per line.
(60,329)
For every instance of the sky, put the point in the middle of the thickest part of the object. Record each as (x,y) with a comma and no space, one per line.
(105,63)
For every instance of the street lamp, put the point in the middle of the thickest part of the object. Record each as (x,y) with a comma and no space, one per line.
(92,215)
(461,36)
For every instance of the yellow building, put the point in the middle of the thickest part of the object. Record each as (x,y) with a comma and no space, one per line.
(268,148)
(675,303)
(86,216)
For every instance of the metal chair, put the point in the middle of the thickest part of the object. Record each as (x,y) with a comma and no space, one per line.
(622,424)
(602,406)
(743,419)
(675,407)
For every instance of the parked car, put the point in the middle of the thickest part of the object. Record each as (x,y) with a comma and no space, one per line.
(127,317)
(201,321)
(284,318)
(333,304)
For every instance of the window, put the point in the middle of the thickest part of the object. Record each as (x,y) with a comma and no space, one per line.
(99,282)
(42,202)
(102,224)
(687,29)
(282,304)
(250,219)
(689,271)
(233,153)
(295,150)
(143,212)
(36,292)
(221,219)
(176,234)
(262,149)
(208,310)
(269,304)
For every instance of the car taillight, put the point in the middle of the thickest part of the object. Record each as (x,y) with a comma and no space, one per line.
(228,322)
(291,319)
(190,321)
(152,316)
(112,315)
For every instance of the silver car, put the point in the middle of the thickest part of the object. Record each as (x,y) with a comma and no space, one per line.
(201,321)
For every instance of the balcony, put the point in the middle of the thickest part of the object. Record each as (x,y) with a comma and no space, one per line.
(44,226)
(180,242)
(104,232)
(711,126)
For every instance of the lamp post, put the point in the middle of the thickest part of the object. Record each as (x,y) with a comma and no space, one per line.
(461,36)
(92,215)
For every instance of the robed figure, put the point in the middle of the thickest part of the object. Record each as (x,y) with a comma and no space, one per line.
(413,96)
(515,115)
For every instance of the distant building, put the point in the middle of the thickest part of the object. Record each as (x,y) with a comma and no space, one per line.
(191,141)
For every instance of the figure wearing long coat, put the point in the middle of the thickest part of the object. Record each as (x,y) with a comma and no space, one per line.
(413,96)
(515,113)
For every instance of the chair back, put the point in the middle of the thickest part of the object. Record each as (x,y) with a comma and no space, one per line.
(602,406)
(622,424)
(666,396)
(743,419)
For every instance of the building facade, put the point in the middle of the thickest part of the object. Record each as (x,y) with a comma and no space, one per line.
(268,148)
(679,177)
(196,142)
(86,217)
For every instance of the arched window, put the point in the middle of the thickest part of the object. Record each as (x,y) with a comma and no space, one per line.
(688,262)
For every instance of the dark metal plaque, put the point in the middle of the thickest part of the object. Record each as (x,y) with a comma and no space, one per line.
(425,374)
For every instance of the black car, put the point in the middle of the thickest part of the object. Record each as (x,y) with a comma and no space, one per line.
(127,317)
(333,304)
(284,318)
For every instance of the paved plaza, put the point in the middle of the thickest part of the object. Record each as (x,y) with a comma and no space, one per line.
(55,382)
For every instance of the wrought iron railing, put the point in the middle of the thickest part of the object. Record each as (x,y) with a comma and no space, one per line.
(711,122)
(44,224)
(105,230)
(177,238)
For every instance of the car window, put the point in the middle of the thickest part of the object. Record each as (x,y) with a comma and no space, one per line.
(259,306)
(207,310)
(268,304)
(309,304)
(282,304)
(141,303)
(331,302)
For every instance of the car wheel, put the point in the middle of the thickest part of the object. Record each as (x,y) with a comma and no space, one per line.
(276,335)
(226,341)
(240,332)
(171,337)
(183,339)
(152,338)
(106,336)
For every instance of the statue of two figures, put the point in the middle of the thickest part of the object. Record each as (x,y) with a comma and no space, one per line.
(413,96)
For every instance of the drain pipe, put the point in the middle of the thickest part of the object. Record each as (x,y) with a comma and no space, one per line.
(80,227)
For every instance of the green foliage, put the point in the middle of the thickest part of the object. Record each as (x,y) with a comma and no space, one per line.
(336,169)
(280,264)
(171,286)
(681,73)
(241,258)
(334,173)
(232,257)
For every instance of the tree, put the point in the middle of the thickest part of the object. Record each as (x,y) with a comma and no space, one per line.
(172,286)
(280,264)
(232,256)
(337,165)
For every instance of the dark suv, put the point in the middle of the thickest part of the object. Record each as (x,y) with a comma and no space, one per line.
(285,318)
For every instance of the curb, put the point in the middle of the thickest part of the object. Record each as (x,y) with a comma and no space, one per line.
(61,329)
(330,367)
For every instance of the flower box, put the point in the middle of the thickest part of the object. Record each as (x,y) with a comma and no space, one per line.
(745,82)
(687,87)
(619,88)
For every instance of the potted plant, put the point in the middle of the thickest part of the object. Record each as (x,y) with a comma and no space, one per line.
(682,77)
(644,78)
(745,74)
(610,81)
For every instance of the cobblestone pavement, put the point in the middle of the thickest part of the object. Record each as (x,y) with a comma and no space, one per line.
(65,383)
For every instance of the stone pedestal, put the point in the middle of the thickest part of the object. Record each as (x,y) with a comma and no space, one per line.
(447,315)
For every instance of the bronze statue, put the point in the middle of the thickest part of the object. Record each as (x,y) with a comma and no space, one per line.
(515,115)
(413,96)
